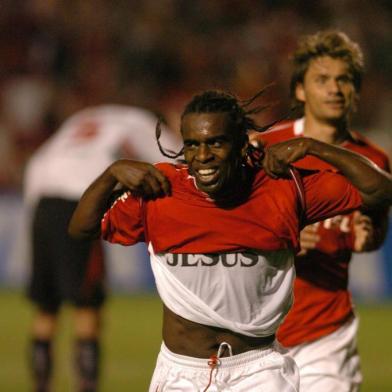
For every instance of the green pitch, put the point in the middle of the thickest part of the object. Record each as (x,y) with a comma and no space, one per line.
(132,338)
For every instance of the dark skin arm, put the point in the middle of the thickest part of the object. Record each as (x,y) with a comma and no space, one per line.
(139,177)
(374,184)
(369,230)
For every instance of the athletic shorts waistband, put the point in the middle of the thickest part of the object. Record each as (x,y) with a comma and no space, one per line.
(226,362)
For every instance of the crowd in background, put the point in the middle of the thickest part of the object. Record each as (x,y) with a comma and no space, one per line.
(58,56)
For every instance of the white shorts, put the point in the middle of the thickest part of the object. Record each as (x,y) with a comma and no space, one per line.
(267,369)
(331,363)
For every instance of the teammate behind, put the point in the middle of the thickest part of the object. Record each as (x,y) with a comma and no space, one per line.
(64,269)
(222,237)
(321,327)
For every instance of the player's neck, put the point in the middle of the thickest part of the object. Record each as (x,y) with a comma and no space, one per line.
(331,133)
(238,190)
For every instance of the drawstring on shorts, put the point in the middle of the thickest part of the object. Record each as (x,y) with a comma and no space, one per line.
(214,360)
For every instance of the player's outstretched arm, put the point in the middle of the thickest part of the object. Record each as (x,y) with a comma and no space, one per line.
(141,178)
(374,184)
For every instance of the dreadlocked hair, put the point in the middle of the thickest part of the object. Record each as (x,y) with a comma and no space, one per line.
(216,101)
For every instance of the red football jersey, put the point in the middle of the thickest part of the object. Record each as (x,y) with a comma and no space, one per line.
(322,302)
(196,245)
(189,222)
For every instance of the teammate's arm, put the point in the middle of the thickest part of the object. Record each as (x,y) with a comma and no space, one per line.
(374,184)
(141,178)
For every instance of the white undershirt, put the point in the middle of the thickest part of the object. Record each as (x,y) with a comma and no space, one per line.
(246,292)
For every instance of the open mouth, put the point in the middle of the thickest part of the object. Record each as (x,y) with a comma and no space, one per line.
(207,176)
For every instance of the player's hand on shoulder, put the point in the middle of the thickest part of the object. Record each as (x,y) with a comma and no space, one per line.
(279,156)
(141,178)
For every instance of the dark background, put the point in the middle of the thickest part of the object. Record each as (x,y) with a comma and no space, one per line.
(58,56)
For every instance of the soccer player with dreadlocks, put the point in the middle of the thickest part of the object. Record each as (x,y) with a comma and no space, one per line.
(222,235)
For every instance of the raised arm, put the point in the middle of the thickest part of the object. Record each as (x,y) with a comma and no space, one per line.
(139,177)
(374,184)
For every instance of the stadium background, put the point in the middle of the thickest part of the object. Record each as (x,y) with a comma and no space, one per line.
(58,56)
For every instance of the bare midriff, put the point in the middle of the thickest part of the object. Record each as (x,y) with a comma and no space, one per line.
(185,337)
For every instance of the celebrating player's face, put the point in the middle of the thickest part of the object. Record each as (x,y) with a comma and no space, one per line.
(327,90)
(211,151)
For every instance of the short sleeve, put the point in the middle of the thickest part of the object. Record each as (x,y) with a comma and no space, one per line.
(329,194)
(123,222)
